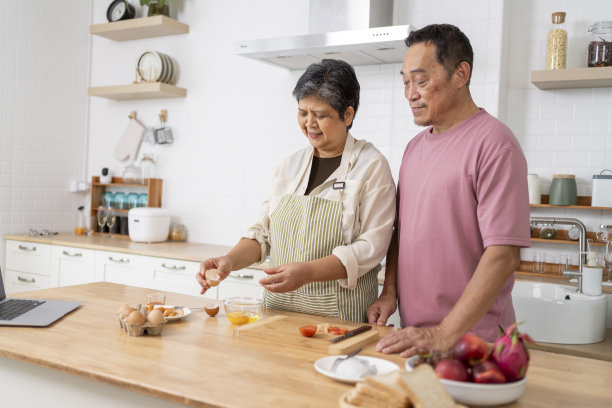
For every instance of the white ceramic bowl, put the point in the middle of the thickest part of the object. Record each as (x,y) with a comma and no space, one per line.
(479,394)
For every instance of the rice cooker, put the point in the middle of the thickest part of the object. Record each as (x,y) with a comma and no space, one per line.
(148,224)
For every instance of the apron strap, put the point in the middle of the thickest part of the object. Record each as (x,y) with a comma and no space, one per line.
(343,169)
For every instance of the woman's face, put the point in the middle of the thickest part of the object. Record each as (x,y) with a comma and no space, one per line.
(323,127)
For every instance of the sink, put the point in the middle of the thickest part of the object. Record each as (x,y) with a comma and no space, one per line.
(557,314)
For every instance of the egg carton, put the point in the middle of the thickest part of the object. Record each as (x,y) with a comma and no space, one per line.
(140,329)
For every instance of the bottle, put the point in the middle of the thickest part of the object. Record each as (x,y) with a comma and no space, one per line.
(556,43)
(80,227)
(600,47)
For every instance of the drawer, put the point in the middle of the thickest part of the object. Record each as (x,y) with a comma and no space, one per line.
(244,282)
(17,281)
(73,266)
(174,275)
(123,268)
(28,257)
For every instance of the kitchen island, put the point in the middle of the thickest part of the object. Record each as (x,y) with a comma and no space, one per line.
(86,359)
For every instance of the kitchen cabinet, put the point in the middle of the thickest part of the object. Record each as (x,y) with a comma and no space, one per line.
(28,267)
(594,77)
(152,187)
(126,269)
(73,266)
(244,282)
(174,275)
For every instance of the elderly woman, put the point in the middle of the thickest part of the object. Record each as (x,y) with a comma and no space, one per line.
(328,220)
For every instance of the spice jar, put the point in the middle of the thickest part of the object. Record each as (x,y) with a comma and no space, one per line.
(548,231)
(600,45)
(556,43)
(177,232)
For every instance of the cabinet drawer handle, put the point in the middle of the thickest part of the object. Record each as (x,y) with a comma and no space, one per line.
(120,260)
(174,267)
(25,248)
(73,254)
(242,276)
(32,280)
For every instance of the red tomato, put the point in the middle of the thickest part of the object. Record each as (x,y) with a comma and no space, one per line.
(308,331)
(337,330)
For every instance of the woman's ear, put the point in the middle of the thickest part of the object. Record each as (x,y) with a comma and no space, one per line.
(349,115)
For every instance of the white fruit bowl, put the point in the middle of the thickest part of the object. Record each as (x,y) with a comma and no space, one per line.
(479,394)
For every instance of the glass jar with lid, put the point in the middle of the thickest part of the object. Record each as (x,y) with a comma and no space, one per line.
(600,45)
(556,42)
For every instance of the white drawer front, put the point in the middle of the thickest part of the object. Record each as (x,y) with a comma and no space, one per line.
(28,257)
(73,266)
(122,268)
(17,281)
(242,283)
(174,275)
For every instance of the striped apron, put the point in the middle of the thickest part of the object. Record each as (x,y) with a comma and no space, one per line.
(305,228)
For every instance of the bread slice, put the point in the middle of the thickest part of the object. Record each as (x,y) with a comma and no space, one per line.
(424,388)
(364,395)
(389,383)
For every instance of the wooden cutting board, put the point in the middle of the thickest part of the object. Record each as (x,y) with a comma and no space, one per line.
(285,330)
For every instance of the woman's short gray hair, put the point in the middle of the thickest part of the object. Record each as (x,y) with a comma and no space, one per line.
(332,81)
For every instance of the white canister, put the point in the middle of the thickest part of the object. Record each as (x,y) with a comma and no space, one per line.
(535,191)
(602,190)
(591,280)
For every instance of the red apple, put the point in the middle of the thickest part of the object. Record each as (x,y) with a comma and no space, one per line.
(471,350)
(487,372)
(451,369)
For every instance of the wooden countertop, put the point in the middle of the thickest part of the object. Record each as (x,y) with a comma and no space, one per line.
(198,362)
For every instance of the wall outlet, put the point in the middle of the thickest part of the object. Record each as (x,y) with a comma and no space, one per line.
(77,186)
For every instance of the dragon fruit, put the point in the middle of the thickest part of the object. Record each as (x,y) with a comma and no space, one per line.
(510,353)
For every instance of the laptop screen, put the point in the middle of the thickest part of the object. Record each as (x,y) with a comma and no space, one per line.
(2,294)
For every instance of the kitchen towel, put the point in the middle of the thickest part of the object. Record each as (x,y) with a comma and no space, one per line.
(129,144)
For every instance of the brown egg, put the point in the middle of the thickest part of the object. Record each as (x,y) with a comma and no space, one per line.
(124,311)
(212,309)
(212,277)
(135,317)
(155,317)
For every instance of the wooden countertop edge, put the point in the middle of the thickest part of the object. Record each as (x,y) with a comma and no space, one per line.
(110,380)
(559,349)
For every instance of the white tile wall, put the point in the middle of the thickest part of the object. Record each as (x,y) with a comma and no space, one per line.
(44,72)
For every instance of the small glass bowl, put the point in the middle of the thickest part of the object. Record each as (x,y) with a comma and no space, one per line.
(242,310)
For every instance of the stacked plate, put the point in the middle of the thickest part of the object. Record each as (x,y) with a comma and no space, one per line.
(154,66)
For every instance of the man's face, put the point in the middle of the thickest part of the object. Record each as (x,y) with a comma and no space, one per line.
(427,86)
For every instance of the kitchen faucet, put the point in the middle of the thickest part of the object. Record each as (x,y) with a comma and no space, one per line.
(582,244)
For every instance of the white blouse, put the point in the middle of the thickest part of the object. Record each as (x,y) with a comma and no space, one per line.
(368,205)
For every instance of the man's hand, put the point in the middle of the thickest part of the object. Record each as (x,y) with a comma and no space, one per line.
(287,277)
(406,341)
(379,311)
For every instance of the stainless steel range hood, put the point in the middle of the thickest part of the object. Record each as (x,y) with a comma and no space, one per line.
(367,45)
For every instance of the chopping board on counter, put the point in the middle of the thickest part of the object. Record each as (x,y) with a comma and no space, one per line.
(285,330)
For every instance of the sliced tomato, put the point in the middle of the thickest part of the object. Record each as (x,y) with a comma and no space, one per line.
(308,331)
(337,330)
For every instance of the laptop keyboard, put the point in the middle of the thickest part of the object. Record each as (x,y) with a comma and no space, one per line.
(12,308)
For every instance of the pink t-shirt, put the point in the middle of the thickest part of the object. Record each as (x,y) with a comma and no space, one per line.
(459,192)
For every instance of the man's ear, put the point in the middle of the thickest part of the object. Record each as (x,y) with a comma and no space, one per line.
(462,73)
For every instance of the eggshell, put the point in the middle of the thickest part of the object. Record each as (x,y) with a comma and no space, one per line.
(135,317)
(212,310)
(212,277)
(124,309)
(155,317)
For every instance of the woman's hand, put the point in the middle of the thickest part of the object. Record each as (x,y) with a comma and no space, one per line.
(223,265)
(287,277)
(406,341)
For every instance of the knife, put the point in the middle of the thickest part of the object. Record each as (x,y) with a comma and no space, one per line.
(351,333)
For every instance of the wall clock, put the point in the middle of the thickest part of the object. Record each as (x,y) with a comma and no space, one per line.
(120,10)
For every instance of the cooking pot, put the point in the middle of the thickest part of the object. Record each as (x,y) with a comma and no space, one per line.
(148,224)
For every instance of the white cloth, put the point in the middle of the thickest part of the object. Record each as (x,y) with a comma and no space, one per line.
(368,206)
(129,144)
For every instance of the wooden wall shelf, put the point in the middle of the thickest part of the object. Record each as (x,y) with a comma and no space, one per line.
(583,203)
(596,77)
(144,90)
(137,28)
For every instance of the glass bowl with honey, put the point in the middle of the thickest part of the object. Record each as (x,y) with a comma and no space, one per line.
(242,310)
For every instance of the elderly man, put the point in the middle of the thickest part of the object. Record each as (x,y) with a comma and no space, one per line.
(462,206)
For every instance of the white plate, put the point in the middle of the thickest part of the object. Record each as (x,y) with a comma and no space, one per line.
(186,311)
(150,66)
(166,68)
(479,394)
(323,365)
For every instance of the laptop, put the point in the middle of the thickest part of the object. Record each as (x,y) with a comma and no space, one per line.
(31,312)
